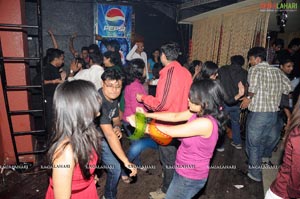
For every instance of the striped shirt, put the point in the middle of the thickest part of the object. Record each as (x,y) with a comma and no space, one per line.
(268,84)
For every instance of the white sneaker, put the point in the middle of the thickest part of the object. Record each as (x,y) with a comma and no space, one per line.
(237,146)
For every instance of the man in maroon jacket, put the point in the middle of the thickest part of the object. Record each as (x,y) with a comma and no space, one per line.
(171,96)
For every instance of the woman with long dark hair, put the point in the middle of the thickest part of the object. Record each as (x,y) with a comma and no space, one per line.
(287,182)
(205,122)
(75,145)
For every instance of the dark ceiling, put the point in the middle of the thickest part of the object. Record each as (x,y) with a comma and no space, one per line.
(179,9)
(175,9)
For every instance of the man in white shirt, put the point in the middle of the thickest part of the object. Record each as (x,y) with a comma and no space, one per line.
(137,51)
(92,74)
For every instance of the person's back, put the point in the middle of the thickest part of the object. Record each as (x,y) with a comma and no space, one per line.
(230,76)
(171,95)
(197,156)
(72,162)
(174,80)
(271,84)
(173,86)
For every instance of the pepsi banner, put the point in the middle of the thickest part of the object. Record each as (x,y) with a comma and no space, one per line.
(114,21)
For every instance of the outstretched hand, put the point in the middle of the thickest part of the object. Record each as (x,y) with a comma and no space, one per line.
(132,168)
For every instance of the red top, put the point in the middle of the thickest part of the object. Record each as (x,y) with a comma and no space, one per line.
(81,188)
(287,182)
(172,89)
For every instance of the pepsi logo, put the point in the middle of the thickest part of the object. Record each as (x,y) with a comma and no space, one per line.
(115,17)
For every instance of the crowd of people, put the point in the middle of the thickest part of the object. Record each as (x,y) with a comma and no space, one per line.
(92,106)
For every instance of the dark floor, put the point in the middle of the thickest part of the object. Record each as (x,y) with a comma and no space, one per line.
(225,173)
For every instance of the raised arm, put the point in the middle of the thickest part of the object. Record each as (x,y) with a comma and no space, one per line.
(71,45)
(130,54)
(54,42)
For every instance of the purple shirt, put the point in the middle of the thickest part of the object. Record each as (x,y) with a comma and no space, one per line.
(194,153)
(130,98)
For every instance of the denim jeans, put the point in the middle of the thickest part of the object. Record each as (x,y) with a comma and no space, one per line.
(259,137)
(110,161)
(167,157)
(234,114)
(184,188)
(136,148)
(274,139)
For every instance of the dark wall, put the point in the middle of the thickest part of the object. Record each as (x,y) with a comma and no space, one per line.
(67,17)
(64,18)
(155,27)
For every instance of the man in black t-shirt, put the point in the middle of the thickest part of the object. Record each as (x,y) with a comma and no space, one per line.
(52,78)
(110,125)
(230,76)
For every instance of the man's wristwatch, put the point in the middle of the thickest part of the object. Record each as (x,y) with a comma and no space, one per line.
(249,97)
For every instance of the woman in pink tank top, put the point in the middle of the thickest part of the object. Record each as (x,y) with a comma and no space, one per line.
(205,122)
(75,145)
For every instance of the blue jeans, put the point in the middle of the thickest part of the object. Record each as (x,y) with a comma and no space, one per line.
(167,157)
(110,161)
(184,188)
(137,146)
(234,114)
(259,138)
(274,139)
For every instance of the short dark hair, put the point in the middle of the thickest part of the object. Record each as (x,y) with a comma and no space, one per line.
(135,71)
(294,42)
(81,61)
(54,53)
(96,58)
(115,57)
(279,42)
(237,60)
(171,50)
(258,52)
(112,74)
(94,48)
(115,44)
(286,60)
(84,48)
